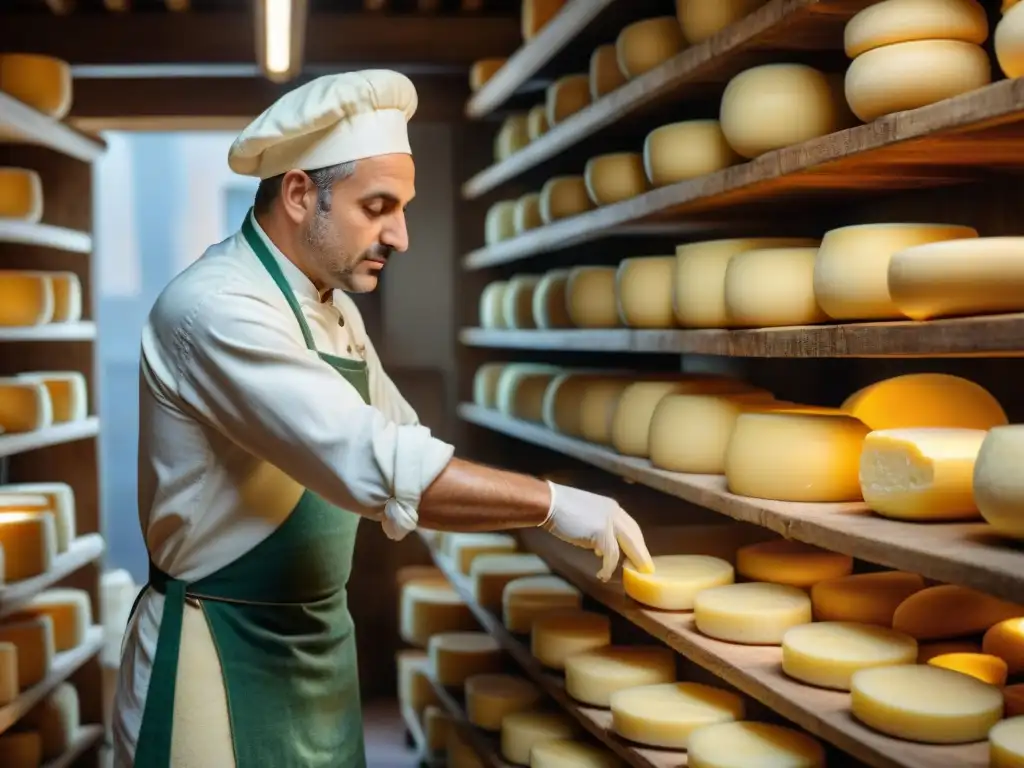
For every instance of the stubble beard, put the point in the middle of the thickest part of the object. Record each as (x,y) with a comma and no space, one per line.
(328,253)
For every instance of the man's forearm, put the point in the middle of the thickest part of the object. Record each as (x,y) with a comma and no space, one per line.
(472,497)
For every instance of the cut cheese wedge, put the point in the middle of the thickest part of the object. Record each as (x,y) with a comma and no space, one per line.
(950,611)
(666,715)
(549,307)
(521,731)
(901,21)
(590,297)
(29,543)
(827,653)
(490,575)
(26,298)
(680,151)
(562,197)
(21,195)
(42,82)
(772,287)
(921,474)
(68,392)
(643,45)
(557,635)
(615,177)
(456,656)
(517,301)
(56,719)
(700,19)
(427,609)
(1006,744)
(463,548)
(492,312)
(485,384)
(526,598)
(70,611)
(1006,640)
(414,687)
(537,121)
(643,286)
(565,753)
(998,483)
(928,651)
(605,75)
(56,498)
(925,400)
(567,96)
(983,666)
(782,561)
(21,749)
(866,598)
(594,676)
(33,639)
(924,703)
(490,698)
(676,580)
(752,613)
(483,70)
(753,745)
(25,405)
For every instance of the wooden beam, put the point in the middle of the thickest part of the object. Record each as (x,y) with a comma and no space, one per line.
(226,38)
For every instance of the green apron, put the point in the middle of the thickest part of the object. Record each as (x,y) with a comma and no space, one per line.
(279,619)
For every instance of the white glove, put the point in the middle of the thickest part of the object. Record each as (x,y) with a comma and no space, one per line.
(598,523)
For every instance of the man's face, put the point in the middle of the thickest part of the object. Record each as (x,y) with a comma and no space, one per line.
(350,243)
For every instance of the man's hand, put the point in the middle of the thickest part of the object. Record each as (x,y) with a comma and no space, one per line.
(598,523)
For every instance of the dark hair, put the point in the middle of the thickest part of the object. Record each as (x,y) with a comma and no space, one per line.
(324,179)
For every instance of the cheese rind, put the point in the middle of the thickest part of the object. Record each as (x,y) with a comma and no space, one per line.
(520,731)
(564,196)
(491,573)
(925,400)
(33,638)
(605,75)
(513,136)
(751,613)
(527,213)
(549,300)
(26,298)
(593,677)
(949,611)
(42,82)
(463,548)
(485,384)
(827,653)
(29,544)
(782,561)
(666,715)
(564,753)
(492,312)
(557,635)
(983,666)
(998,483)
(489,698)
(427,609)
(57,498)
(70,611)
(643,45)
(866,598)
(746,744)
(643,287)
(700,19)
(21,195)
(517,301)
(902,21)
(69,398)
(676,580)
(590,298)
(537,121)
(67,297)
(615,177)
(772,287)
(521,388)
(526,598)
(25,405)
(500,222)
(680,151)
(924,703)
(1006,743)
(567,96)
(1006,640)
(456,656)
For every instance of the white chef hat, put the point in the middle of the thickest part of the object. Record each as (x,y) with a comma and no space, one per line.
(333,119)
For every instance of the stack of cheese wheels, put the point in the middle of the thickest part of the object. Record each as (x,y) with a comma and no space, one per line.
(521,388)
(57,499)
(1009,39)
(21,195)
(28,537)
(700,19)
(911,53)
(41,82)
(643,45)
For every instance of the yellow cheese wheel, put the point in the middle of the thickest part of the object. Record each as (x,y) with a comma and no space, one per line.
(998,484)
(491,573)
(565,753)
(772,287)
(615,177)
(33,638)
(751,613)
(557,635)
(676,580)
(827,653)
(492,313)
(567,96)
(521,731)
(500,222)
(865,598)
(28,539)
(928,651)
(68,393)
(491,697)
(427,609)
(517,301)
(912,75)
(1006,743)
(41,82)
(483,70)
(700,19)
(597,409)
(456,656)
(527,213)
(925,400)
(549,304)
(680,151)
(985,667)
(605,75)
(593,677)
(923,703)
(537,121)
(564,196)
(26,298)
(69,609)
(1009,42)
(1006,640)
(536,14)
(25,406)
(665,715)
(645,44)
(851,270)
(513,135)
(590,297)
(526,598)
(414,687)
(781,561)
(485,384)
(643,286)
(949,611)
(902,21)
(753,745)
(21,195)
(561,408)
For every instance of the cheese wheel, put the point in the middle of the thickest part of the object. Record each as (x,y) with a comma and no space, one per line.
(521,389)
(921,474)
(526,598)
(925,400)
(928,651)
(643,45)
(643,286)
(427,609)
(26,298)
(70,611)
(597,409)
(605,75)
(521,731)
(998,485)
(903,21)
(500,222)
(29,544)
(517,301)
(527,213)
(590,298)
(615,177)
(865,598)
(557,635)
(536,14)
(700,19)
(436,724)
(413,574)
(492,311)
(489,698)
(485,384)
(666,715)
(483,70)
(41,82)
(851,270)
(827,653)
(549,302)
(593,677)
(1006,743)
(567,96)
(8,673)
(985,667)
(676,580)
(912,75)
(772,287)
(491,573)
(456,656)
(564,753)
(1009,42)
(699,281)
(537,121)
(562,400)
(778,105)
(792,456)
(55,498)
(680,151)
(752,613)
(460,753)
(782,561)
(414,687)
(970,277)
(56,719)
(69,399)
(67,297)
(21,195)
(33,639)
(463,548)
(21,749)
(1006,640)
(753,745)
(923,703)
(513,135)
(949,611)
(562,197)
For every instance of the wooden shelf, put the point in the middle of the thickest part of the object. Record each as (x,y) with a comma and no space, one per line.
(932,146)
(87,737)
(83,550)
(485,745)
(22,442)
(996,335)
(82,331)
(21,123)
(14,231)
(756,671)
(64,666)
(968,554)
(781,25)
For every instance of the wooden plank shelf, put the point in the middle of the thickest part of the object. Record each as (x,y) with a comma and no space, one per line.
(21,442)
(781,25)
(485,745)
(88,736)
(995,335)
(17,232)
(968,554)
(64,666)
(20,123)
(83,550)
(81,331)
(756,671)
(935,145)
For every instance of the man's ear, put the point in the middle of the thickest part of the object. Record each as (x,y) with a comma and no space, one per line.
(298,195)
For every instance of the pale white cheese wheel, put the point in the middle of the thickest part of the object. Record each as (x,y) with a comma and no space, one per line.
(676,580)
(597,409)
(520,731)
(572,754)
(605,75)
(925,703)
(564,196)
(698,293)
(520,390)
(977,276)
(796,456)
(500,222)
(666,715)
(567,96)
(512,136)
(751,613)
(549,307)
(491,697)
(21,195)
(615,177)
(778,105)
(645,44)
(594,676)
(912,75)
(557,635)
(485,384)
(680,151)
(772,287)
(753,745)
(537,121)
(526,598)
(590,297)
(700,19)
(517,301)
(998,481)
(643,286)
(527,213)
(483,70)
(492,312)
(1006,743)
(463,548)
(456,656)
(1009,41)
(783,561)
(851,270)
(903,21)
(827,653)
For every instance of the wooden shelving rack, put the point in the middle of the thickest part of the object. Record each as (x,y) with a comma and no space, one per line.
(956,161)
(69,452)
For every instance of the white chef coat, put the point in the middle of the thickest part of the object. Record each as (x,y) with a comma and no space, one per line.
(237,417)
